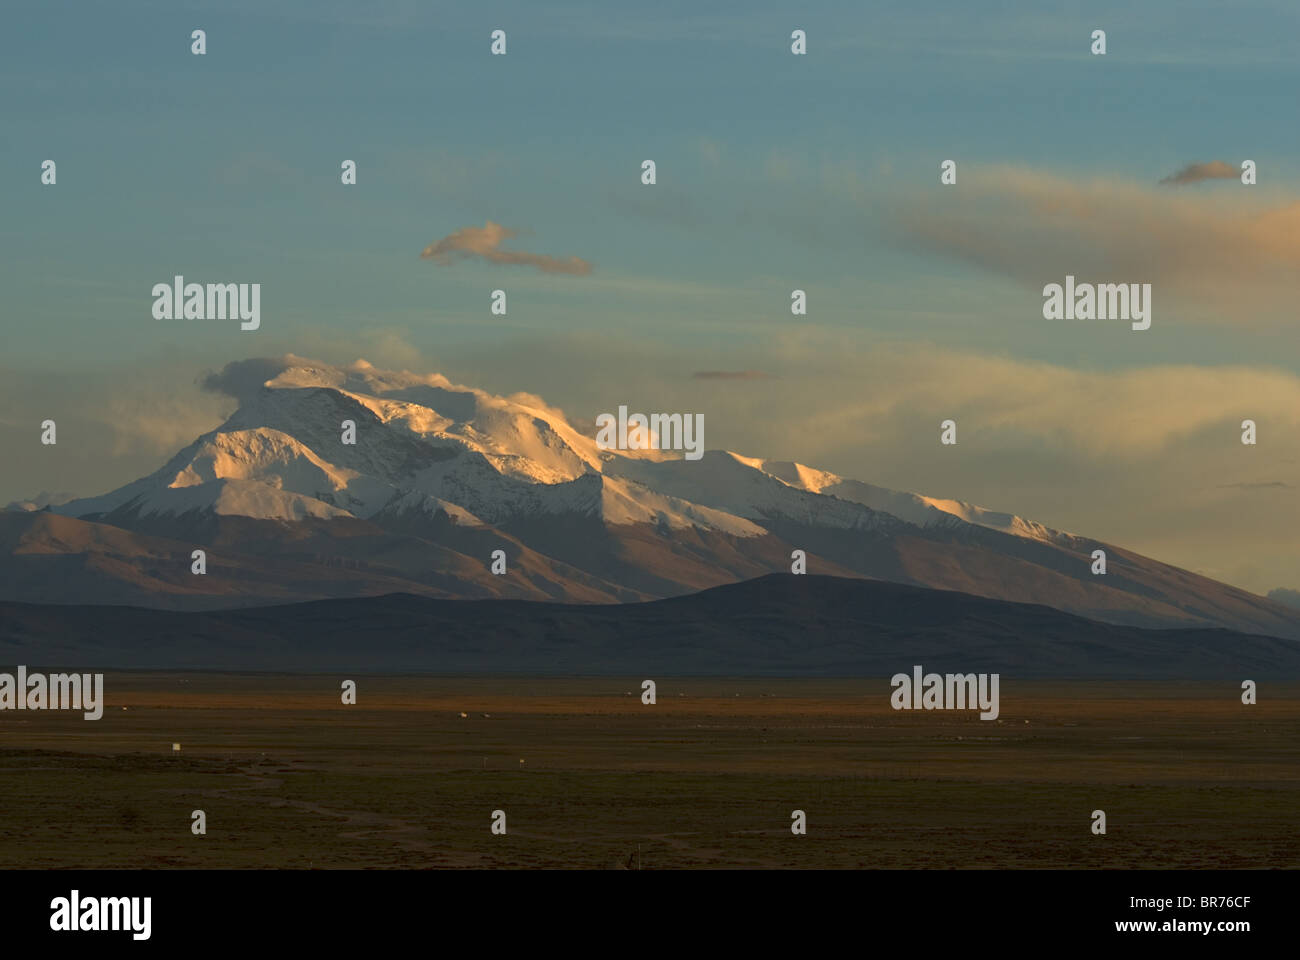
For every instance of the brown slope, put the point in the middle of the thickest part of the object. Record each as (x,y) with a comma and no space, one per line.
(1135,590)
(47,558)
(779,625)
(576,558)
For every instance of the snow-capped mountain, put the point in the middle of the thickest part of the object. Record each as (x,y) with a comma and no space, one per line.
(440,475)
(422,444)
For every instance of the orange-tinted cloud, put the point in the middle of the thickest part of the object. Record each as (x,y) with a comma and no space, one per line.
(1235,253)
(485,243)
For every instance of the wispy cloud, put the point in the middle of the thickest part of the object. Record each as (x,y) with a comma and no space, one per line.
(1196,172)
(1236,253)
(485,243)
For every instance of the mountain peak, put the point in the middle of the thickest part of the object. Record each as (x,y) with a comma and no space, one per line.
(358,440)
(422,480)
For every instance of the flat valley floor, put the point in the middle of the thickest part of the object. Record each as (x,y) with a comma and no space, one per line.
(589,777)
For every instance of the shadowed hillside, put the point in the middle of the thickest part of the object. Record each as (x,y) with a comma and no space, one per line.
(779,625)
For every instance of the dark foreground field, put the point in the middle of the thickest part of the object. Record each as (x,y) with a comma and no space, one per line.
(707,777)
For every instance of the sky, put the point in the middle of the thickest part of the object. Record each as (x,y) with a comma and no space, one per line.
(775,172)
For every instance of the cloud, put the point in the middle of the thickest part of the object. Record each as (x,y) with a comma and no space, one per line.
(731,375)
(485,243)
(115,423)
(1222,257)
(1196,172)
(1127,416)
(242,379)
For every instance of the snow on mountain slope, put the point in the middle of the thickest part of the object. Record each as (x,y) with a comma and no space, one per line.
(239,498)
(519,434)
(613,500)
(911,507)
(441,476)
(737,485)
(425,444)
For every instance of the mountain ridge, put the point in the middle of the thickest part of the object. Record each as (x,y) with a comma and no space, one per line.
(779,625)
(442,475)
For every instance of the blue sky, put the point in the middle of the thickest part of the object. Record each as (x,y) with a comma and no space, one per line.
(774,172)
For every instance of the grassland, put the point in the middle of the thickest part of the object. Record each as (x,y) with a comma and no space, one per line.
(707,777)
